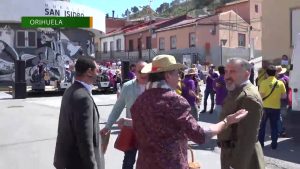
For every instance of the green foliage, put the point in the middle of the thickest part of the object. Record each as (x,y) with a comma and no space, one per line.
(177,8)
(134,9)
(126,13)
(198,4)
(162,8)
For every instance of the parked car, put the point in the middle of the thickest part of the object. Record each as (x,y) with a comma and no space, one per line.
(103,83)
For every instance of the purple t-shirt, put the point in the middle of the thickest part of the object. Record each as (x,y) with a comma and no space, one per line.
(210,80)
(189,84)
(221,91)
(285,79)
(130,75)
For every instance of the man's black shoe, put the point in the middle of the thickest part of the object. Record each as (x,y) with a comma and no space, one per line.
(211,111)
(203,111)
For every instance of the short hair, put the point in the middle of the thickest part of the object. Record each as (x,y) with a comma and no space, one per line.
(221,70)
(83,64)
(244,63)
(154,77)
(271,70)
(285,56)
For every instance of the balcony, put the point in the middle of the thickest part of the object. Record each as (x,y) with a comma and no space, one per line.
(132,56)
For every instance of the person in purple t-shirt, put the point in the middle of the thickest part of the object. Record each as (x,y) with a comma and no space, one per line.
(189,91)
(209,89)
(220,89)
(281,75)
(131,74)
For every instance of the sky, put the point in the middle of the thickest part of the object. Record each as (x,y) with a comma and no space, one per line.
(119,6)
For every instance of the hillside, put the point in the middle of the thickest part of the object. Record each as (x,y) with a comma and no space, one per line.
(193,8)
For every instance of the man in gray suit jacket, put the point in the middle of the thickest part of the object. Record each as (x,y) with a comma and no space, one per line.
(77,144)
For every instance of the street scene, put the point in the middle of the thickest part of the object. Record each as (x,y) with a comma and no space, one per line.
(29,128)
(148,84)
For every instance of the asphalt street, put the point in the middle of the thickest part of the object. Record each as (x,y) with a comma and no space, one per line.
(28,129)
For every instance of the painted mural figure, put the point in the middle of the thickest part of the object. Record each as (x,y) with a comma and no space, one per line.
(45,62)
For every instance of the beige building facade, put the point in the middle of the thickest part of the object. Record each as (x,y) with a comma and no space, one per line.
(251,12)
(201,38)
(277,28)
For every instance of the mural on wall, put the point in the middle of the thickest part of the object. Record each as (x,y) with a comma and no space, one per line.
(7,54)
(50,60)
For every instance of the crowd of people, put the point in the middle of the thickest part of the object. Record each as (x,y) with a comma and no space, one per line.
(163,102)
(273,85)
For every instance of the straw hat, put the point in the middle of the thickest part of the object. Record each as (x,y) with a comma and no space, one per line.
(280,70)
(191,71)
(162,63)
(118,71)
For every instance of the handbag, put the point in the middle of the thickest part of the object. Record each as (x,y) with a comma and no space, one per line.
(193,164)
(126,139)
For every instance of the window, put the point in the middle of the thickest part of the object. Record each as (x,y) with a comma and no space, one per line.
(161,43)
(31,39)
(242,40)
(207,48)
(192,39)
(256,8)
(118,44)
(173,42)
(105,47)
(26,39)
(111,46)
(21,39)
(130,45)
(148,42)
(96,46)
(139,44)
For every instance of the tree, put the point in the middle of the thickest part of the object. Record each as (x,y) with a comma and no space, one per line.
(134,9)
(176,2)
(163,7)
(226,1)
(198,4)
(127,13)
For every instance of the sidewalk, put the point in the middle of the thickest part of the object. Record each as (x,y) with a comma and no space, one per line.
(4,95)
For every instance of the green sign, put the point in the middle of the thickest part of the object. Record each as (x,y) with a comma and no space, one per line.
(57,22)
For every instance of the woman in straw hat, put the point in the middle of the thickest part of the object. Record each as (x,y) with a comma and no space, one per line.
(162,119)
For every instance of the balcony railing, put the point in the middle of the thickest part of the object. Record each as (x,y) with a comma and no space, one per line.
(133,56)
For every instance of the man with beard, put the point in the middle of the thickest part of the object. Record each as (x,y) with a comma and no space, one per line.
(239,144)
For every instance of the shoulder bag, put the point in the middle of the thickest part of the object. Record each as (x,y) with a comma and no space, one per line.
(271,91)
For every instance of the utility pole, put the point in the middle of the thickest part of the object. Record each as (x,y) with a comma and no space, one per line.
(186,7)
(150,10)
(250,43)
(150,31)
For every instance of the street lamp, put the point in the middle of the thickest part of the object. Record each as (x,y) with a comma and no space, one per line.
(222,43)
